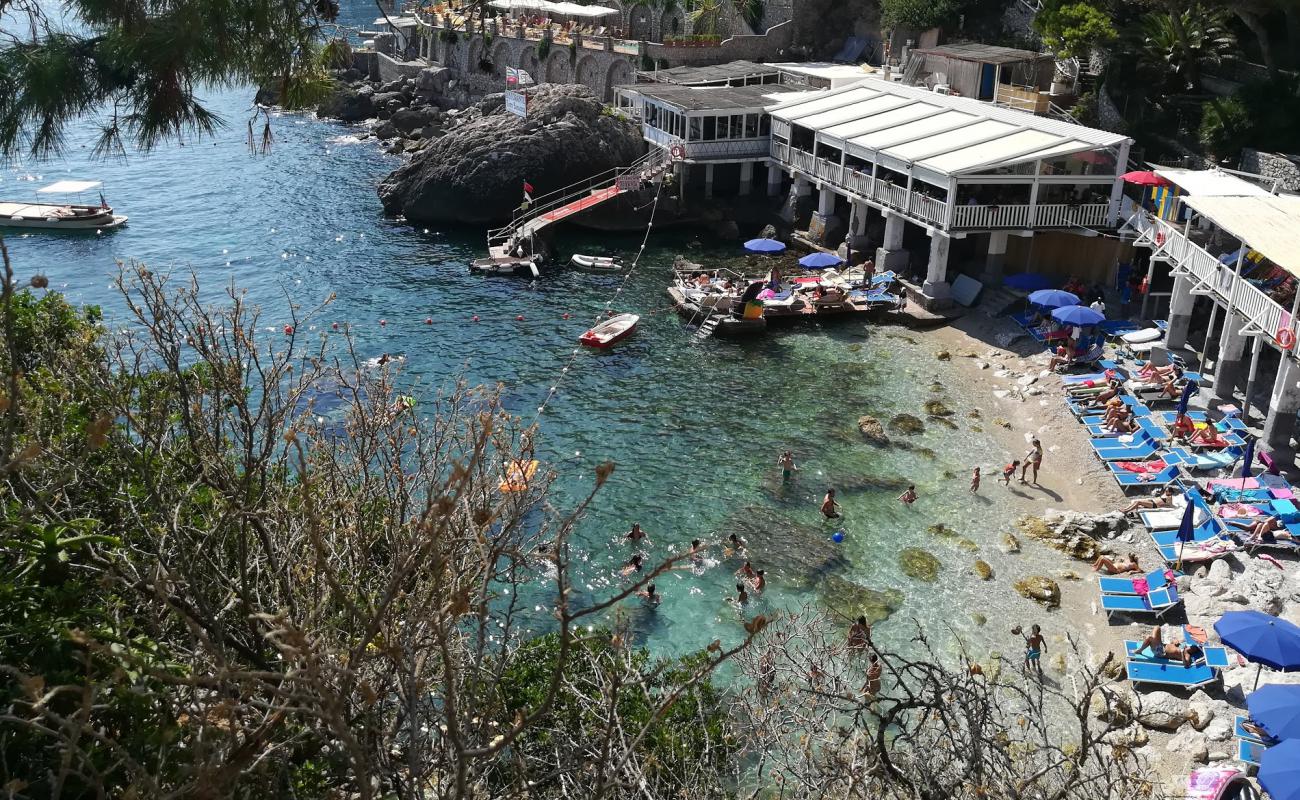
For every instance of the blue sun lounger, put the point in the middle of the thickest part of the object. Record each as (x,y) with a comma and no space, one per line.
(1149,669)
(1250,751)
(1139,449)
(1168,418)
(1119,327)
(1199,552)
(1133,480)
(1201,533)
(1205,461)
(1113,585)
(1155,602)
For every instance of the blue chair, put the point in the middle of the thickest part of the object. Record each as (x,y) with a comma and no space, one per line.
(1146,480)
(1156,602)
(1204,532)
(1198,552)
(1139,449)
(1113,585)
(1119,327)
(1250,752)
(1206,461)
(1162,671)
(1168,418)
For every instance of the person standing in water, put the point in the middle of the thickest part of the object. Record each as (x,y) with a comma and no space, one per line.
(788,468)
(636,534)
(742,596)
(909,497)
(1034,458)
(975,481)
(830,508)
(1034,647)
(860,634)
(649,595)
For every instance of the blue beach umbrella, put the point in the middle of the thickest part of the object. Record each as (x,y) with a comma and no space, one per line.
(1027,281)
(1078,315)
(820,260)
(764,246)
(1190,388)
(1276,709)
(1053,298)
(1186,528)
(1279,770)
(1248,458)
(1261,638)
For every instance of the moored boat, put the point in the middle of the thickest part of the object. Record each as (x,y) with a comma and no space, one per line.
(596,263)
(506,266)
(64,216)
(613,330)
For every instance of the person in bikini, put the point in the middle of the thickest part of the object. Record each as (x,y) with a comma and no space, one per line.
(1163,500)
(1183,428)
(1116,566)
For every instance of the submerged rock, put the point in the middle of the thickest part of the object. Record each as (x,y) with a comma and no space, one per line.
(936,408)
(906,424)
(1008,543)
(943,355)
(1040,588)
(872,430)
(967,544)
(983,570)
(917,563)
(941,530)
(803,553)
(851,600)
(474,174)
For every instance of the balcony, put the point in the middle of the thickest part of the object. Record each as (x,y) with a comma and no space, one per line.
(934,211)
(1210,276)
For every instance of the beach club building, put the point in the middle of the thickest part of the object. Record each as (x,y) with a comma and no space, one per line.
(1232,248)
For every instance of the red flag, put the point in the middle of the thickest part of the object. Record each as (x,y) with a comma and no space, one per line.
(528,188)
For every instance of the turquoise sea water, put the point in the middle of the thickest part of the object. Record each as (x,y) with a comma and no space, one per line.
(695,427)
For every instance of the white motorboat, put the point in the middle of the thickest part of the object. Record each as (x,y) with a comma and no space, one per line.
(62,216)
(596,263)
(613,330)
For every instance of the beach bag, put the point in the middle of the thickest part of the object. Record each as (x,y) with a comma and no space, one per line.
(1196,634)
(1140,587)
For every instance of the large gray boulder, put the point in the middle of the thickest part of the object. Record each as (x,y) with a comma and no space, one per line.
(476,173)
(348,103)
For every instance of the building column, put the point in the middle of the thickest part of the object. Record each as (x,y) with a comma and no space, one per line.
(936,285)
(746,176)
(826,201)
(1181,303)
(708,180)
(1232,357)
(861,211)
(1280,425)
(802,188)
(996,258)
(774,175)
(891,255)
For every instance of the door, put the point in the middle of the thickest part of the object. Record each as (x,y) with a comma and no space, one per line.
(988,74)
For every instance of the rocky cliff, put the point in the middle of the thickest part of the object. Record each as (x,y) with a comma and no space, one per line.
(475,172)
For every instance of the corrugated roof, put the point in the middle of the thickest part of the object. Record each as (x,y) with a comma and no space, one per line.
(722,98)
(869,114)
(1269,224)
(983,53)
(1210,183)
(687,76)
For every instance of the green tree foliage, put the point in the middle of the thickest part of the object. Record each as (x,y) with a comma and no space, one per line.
(1071,30)
(1176,45)
(919,15)
(1261,115)
(1225,126)
(138,64)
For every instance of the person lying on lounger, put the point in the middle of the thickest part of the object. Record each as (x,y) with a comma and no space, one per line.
(1115,411)
(1153,373)
(1156,644)
(1207,435)
(1170,387)
(1183,427)
(1106,398)
(1163,500)
(1125,424)
(1116,566)
(1269,531)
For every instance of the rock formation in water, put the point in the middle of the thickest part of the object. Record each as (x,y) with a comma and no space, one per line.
(475,173)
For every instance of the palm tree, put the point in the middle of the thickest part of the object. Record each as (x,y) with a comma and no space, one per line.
(1179,43)
(706,16)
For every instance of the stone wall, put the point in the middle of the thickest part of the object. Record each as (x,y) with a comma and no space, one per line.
(390,69)
(472,55)
(772,45)
(1281,167)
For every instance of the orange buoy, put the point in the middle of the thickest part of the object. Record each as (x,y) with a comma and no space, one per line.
(288,330)
(1286,338)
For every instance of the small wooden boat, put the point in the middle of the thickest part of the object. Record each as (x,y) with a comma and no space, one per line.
(613,330)
(596,263)
(62,216)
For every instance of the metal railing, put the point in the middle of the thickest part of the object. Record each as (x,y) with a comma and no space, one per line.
(1207,271)
(1014,216)
(929,209)
(803,161)
(1064,215)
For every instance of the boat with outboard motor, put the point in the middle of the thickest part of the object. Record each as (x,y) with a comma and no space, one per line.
(61,216)
(611,331)
(596,263)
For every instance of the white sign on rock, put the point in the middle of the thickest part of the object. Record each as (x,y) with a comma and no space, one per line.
(517,104)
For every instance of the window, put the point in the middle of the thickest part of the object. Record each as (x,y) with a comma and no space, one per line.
(751,126)
(738,126)
(695,130)
(652,115)
(710,129)
(723,128)
(764,125)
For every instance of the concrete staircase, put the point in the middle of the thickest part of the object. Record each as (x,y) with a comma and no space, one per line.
(1000,300)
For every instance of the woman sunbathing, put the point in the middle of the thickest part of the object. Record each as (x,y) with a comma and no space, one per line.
(1163,500)
(1183,427)
(1207,436)
(1152,372)
(1172,651)
(1116,567)
(1269,531)
(1115,411)
(1105,398)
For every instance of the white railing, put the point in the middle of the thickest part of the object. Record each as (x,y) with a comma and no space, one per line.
(803,161)
(781,152)
(1206,270)
(991,217)
(928,208)
(1061,215)
(829,171)
(857,182)
(781,128)
(891,195)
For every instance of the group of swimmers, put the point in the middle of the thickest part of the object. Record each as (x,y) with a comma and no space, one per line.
(755,578)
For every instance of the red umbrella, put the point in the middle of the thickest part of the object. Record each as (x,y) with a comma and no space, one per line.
(1144,178)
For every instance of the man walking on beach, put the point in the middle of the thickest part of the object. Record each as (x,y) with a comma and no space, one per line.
(1034,647)
(1034,458)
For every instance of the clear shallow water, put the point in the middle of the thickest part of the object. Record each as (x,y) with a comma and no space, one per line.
(695,428)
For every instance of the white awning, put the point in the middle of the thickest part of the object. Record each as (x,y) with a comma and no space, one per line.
(1269,225)
(943,133)
(562,9)
(1210,183)
(69,187)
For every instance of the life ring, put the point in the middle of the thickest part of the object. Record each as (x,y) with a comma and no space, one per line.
(678,152)
(1285,338)
(1160,237)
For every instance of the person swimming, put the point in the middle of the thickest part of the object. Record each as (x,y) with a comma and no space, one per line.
(633,565)
(830,509)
